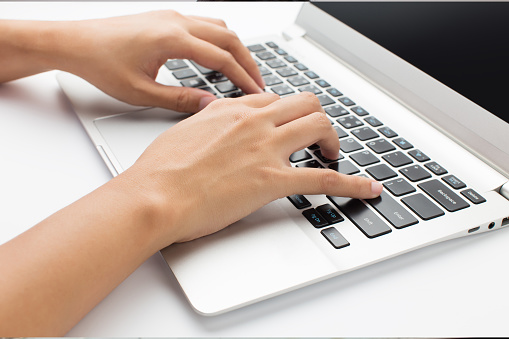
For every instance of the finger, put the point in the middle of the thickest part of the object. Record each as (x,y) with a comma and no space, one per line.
(307,130)
(330,182)
(293,107)
(214,21)
(258,100)
(227,40)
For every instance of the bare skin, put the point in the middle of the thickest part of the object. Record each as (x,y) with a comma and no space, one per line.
(69,262)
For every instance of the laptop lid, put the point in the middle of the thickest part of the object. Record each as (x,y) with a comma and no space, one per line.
(458,45)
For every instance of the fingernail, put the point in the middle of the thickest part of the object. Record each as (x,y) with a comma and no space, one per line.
(376,188)
(204,101)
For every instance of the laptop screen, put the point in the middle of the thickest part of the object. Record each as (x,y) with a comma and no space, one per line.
(464,45)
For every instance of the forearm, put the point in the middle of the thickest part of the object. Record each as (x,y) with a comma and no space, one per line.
(60,269)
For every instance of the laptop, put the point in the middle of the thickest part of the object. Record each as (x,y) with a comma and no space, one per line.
(416,105)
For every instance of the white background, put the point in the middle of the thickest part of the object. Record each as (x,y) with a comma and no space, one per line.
(458,288)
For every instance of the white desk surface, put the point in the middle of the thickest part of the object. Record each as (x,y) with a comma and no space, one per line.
(458,288)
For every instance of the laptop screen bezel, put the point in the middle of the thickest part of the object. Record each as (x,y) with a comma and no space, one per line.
(478,130)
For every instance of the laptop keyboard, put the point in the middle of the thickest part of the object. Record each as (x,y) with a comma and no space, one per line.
(417,189)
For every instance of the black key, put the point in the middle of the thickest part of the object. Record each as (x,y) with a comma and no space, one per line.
(329,213)
(325,100)
(184,73)
(334,92)
(290,59)
(282,90)
(380,146)
(340,132)
(315,218)
(399,187)
(264,71)
(196,82)
(349,145)
(359,111)
(362,217)
(335,238)
(389,133)
(453,181)
(422,206)
(201,69)
(373,121)
(322,83)
(402,143)
(473,196)
(227,86)
(257,62)
(234,95)
(256,48)
(418,155)
(265,55)
(286,72)
(208,89)
(301,67)
(336,111)
(175,64)
(272,80)
(435,168)
(311,75)
(299,201)
(381,172)
(298,81)
(346,101)
(364,133)
(216,77)
(310,88)
(396,214)
(326,160)
(310,164)
(443,195)
(275,63)
(271,44)
(397,159)
(415,173)
(364,158)
(345,167)
(300,156)
(349,122)
(280,51)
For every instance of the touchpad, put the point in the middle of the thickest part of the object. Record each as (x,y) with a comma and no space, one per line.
(129,134)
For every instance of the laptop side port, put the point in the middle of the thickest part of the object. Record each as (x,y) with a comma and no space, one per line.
(505,222)
(475,229)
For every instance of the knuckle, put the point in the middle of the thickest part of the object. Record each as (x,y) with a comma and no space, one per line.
(183,101)
(320,120)
(329,179)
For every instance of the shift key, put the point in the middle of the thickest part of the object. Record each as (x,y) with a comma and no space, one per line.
(443,195)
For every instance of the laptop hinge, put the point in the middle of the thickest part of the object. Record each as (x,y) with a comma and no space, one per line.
(504,190)
(294,31)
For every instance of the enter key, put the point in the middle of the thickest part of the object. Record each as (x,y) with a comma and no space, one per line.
(391,210)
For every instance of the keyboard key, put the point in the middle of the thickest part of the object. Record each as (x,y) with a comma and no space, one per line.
(359,111)
(349,145)
(402,143)
(392,211)
(315,218)
(311,75)
(310,88)
(208,89)
(271,44)
(265,55)
(280,51)
(422,206)
(184,73)
(373,121)
(364,158)
(389,133)
(299,201)
(264,71)
(380,146)
(216,77)
(298,81)
(418,155)
(364,133)
(290,59)
(362,217)
(335,238)
(453,181)
(272,80)
(286,72)
(325,100)
(330,214)
(300,156)
(301,67)
(345,167)
(319,155)
(256,48)
(397,159)
(435,168)
(349,121)
(473,196)
(275,63)
(336,111)
(322,83)
(340,132)
(234,95)
(415,173)
(334,92)
(201,69)
(443,195)
(282,90)
(381,172)
(399,187)
(346,101)
(196,82)
(175,64)
(227,86)
(310,164)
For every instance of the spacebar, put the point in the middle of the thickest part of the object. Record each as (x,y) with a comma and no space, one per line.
(362,217)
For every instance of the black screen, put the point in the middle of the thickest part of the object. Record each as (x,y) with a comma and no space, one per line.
(464,45)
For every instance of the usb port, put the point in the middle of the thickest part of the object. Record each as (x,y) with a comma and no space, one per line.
(505,222)
(472,230)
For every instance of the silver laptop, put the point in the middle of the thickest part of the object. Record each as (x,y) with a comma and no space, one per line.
(436,137)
